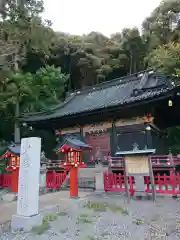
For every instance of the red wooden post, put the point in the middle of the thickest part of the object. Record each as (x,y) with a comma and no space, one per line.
(74,182)
(14,162)
(178,183)
(14,180)
(73,161)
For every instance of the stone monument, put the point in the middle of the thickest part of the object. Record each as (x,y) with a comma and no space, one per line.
(27,214)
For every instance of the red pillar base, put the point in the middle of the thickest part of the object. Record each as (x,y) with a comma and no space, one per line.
(74,182)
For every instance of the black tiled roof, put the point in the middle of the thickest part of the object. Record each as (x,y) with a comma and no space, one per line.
(127,90)
(74,142)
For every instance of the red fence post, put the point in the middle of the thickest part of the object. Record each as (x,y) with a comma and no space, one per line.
(1,179)
(177,179)
(131,185)
(54,179)
(15,180)
(6,181)
(173,182)
(164,184)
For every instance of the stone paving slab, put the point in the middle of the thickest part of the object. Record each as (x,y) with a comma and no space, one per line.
(48,200)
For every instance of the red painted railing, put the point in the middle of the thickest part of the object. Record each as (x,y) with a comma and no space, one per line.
(116,162)
(5,180)
(53,163)
(164,184)
(55,179)
(115,182)
(156,160)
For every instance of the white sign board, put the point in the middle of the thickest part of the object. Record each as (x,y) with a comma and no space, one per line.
(137,164)
(28,189)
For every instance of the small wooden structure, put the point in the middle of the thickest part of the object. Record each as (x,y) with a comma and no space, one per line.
(137,163)
(73,149)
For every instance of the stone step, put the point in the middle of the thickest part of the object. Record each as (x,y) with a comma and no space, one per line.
(83,174)
(83,182)
(89,172)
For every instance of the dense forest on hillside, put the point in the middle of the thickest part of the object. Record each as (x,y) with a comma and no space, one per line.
(38,66)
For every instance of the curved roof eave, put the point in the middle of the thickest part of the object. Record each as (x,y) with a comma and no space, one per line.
(50,111)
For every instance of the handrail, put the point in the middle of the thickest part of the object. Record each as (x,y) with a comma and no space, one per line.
(158,160)
(118,161)
(53,163)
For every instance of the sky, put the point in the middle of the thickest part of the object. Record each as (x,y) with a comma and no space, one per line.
(108,16)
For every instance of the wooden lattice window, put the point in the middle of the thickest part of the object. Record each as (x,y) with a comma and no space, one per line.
(70,157)
(13,161)
(18,161)
(78,157)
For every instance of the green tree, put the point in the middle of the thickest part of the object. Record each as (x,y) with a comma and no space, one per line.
(173,136)
(166,58)
(49,85)
(24,92)
(133,48)
(14,89)
(163,23)
(22,31)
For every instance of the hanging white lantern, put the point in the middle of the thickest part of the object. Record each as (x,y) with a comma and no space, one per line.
(170,103)
(148,128)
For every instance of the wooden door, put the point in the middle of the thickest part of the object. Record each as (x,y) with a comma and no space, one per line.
(100,144)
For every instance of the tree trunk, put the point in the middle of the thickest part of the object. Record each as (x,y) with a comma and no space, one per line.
(134,66)
(131,63)
(17,137)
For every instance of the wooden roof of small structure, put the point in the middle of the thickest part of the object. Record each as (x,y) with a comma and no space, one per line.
(72,142)
(13,148)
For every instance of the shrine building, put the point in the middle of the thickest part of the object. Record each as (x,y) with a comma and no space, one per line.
(116,115)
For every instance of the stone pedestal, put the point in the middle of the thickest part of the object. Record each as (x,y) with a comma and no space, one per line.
(27,214)
(26,223)
(42,177)
(99,178)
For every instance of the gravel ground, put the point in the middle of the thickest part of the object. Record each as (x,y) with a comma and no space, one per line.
(107,216)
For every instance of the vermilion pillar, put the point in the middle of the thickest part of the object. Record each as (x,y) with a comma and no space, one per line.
(73,162)
(74,182)
(14,180)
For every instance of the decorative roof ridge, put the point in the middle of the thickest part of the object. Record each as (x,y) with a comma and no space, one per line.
(172,82)
(112,82)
